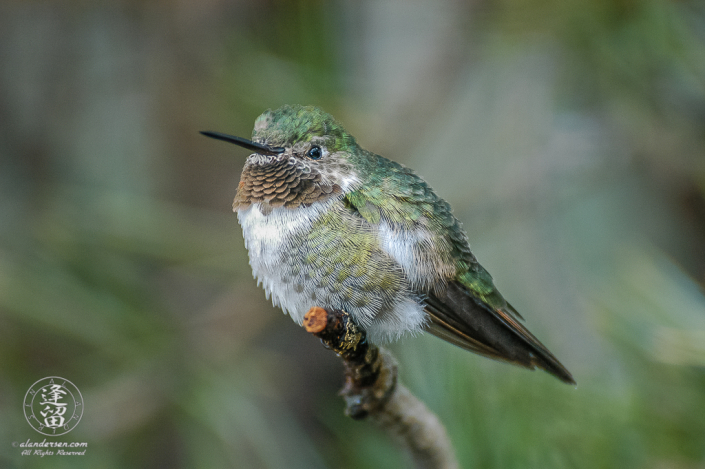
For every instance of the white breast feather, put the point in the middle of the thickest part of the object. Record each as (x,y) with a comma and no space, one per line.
(415,251)
(267,236)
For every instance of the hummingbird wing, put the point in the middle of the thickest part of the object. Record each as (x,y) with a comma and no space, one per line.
(418,230)
(462,319)
(471,313)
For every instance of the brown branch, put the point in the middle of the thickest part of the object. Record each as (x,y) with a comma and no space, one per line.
(372,389)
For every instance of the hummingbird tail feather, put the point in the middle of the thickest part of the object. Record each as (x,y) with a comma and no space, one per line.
(465,321)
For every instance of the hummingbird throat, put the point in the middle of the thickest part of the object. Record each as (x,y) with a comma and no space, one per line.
(282,182)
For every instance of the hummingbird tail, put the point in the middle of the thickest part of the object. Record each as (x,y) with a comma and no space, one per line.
(463,320)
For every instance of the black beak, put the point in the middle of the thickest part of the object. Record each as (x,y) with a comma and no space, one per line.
(243,142)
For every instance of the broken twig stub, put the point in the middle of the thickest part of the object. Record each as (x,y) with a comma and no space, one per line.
(372,389)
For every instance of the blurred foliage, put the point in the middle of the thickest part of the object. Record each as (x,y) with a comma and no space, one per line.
(568,136)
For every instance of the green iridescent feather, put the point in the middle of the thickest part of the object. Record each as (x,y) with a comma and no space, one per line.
(291,125)
(394,193)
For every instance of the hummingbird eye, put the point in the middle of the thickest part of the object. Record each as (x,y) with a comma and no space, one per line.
(314,152)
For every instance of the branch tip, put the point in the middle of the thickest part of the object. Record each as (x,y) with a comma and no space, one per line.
(315,320)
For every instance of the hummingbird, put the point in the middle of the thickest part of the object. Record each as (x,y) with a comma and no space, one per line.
(328,223)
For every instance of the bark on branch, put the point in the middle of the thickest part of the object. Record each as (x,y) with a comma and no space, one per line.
(372,389)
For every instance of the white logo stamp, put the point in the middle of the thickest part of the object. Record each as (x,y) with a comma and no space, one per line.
(53,406)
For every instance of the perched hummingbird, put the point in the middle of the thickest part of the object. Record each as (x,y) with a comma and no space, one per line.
(327,223)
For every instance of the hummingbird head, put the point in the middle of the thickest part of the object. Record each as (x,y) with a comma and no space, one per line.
(301,156)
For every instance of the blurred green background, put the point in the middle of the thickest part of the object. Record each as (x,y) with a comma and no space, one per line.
(569,136)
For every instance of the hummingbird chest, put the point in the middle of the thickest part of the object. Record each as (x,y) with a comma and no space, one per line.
(320,255)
